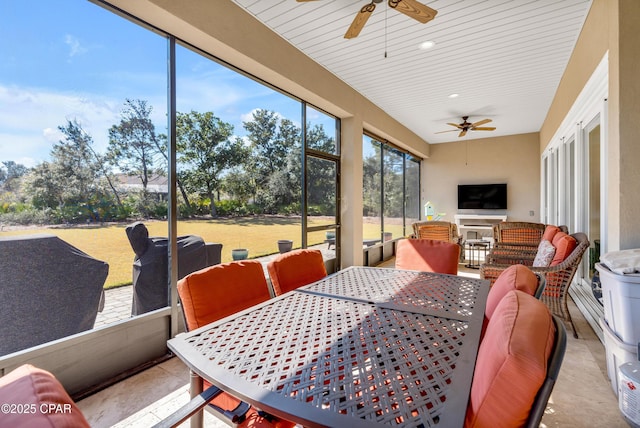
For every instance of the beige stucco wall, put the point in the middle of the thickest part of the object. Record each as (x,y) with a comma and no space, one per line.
(513,160)
(612,26)
(628,126)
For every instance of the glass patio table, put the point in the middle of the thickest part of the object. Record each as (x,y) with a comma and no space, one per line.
(364,347)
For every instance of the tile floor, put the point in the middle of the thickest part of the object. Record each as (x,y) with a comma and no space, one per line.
(582,396)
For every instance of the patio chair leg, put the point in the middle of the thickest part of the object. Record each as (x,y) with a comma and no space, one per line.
(573,327)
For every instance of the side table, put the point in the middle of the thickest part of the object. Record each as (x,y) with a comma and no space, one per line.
(476,247)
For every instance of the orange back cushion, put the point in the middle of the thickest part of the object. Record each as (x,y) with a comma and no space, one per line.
(221,290)
(42,394)
(427,255)
(549,232)
(296,268)
(564,244)
(516,277)
(512,362)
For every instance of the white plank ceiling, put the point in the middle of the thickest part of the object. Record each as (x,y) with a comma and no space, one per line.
(504,58)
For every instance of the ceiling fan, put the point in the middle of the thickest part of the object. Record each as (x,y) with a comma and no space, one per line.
(465,126)
(411,8)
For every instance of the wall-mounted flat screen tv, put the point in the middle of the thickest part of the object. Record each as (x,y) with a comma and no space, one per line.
(482,196)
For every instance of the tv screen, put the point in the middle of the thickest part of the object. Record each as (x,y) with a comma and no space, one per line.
(482,196)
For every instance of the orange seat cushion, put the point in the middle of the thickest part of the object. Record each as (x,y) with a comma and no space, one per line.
(516,277)
(221,290)
(42,399)
(427,255)
(549,232)
(564,244)
(253,419)
(512,362)
(294,269)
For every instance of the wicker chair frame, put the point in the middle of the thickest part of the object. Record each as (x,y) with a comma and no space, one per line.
(437,231)
(518,233)
(558,278)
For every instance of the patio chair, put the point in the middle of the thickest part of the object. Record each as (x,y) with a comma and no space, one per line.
(517,364)
(294,269)
(437,230)
(516,277)
(214,293)
(34,390)
(558,276)
(37,390)
(427,255)
(553,370)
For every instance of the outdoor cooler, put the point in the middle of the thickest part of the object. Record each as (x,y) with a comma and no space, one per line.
(620,279)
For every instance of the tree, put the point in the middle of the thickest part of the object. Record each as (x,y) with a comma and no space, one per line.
(239,184)
(371,185)
(321,174)
(79,164)
(133,143)
(10,175)
(70,183)
(43,186)
(276,146)
(206,151)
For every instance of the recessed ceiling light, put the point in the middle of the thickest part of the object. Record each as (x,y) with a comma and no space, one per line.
(454,95)
(427,45)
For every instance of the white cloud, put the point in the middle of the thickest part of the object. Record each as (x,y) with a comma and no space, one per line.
(29,120)
(248,117)
(75,48)
(52,135)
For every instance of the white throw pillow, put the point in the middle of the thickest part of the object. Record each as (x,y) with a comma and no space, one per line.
(545,254)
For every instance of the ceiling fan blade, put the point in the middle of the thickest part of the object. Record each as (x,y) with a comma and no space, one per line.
(483,128)
(442,132)
(359,21)
(454,124)
(481,122)
(463,133)
(414,9)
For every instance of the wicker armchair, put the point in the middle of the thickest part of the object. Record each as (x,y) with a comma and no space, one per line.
(437,231)
(517,238)
(558,278)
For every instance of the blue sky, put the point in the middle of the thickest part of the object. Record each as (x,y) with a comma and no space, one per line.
(70,59)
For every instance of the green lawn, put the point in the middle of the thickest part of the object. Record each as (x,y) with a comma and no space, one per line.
(259,234)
